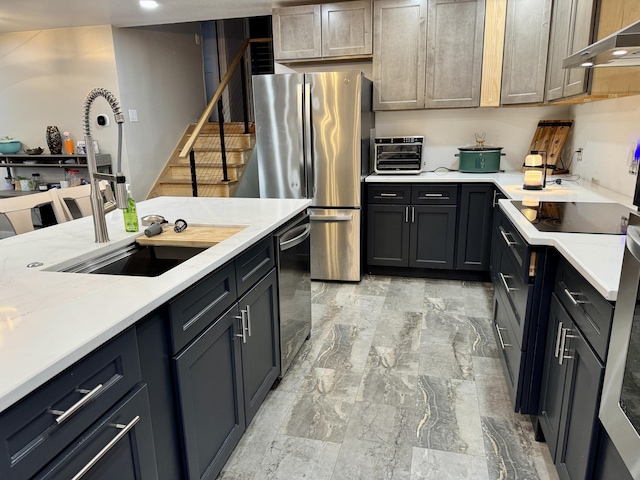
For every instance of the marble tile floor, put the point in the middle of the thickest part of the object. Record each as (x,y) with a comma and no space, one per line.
(399,380)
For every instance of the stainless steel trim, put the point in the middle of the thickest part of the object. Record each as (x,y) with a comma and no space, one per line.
(504,234)
(504,345)
(124,429)
(90,394)
(504,282)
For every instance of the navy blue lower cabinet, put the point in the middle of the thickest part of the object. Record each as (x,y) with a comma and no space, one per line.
(433,235)
(388,233)
(210,393)
(118,446)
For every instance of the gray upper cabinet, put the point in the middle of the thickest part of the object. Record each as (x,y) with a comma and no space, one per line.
(346,29)
(331,30)
(296,32)
(571,30)
(399,54)
(525,51)
(455,31)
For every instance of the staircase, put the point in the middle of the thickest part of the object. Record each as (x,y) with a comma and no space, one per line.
(176,179)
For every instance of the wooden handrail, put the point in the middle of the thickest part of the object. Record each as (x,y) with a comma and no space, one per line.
(216,96)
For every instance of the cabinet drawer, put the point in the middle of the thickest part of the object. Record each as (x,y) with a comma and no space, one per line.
(509,281)
(389,193)
(254,264)
(194,310)
(508,236)
(588,309)
(509,350)
(434,194)
(37,428)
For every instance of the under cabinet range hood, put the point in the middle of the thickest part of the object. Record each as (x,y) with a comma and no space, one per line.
(620,49)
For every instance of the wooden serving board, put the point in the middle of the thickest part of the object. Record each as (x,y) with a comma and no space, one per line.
(550,136)
(193,236)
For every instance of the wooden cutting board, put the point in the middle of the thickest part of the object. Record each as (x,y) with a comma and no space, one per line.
(193,236)
(550,136)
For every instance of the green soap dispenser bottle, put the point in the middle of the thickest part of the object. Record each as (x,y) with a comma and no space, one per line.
(130,214)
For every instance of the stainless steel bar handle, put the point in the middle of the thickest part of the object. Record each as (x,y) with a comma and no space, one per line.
(502,344)
(301,125)
(331,218)
(124,429)
(287,244)
(243,329)
(248,310)
(563,347)
(575,302)
(557,352)
(308,154)
(504,234)
(406,215)
(413,214)
(428,195)
(90,394)
(504,282)
(494,202)
(388,194)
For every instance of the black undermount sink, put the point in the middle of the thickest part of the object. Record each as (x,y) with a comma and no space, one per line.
(136,260)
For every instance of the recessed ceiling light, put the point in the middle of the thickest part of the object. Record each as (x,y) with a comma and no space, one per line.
(587,64)
(619,52)
(149,4)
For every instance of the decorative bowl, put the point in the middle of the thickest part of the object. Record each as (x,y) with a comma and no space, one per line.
(33,151)
(9,147)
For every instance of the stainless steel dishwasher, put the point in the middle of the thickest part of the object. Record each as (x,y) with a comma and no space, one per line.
(294,287)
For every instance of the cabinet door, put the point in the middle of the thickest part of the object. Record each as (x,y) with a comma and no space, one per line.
(474,228)
(553,377)
(119,445)
(346,29)
(576,79)
(433,236)
(455,33)
(399,54)
(261,343)
(296,32)
(580,425)
(209,384)
(388,235)
(525,52)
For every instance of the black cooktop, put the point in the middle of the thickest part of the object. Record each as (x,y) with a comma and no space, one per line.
(577,217)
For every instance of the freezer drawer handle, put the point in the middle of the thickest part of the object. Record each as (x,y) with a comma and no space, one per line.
(331,218)
(124,429)
(89,395)
(287,244)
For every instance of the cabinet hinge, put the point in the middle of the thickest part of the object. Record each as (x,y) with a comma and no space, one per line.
(532,264)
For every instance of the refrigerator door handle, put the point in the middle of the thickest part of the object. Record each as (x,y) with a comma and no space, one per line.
(308,155)
(331,218)
(301,139)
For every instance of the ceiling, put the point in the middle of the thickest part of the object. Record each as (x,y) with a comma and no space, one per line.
(26,15)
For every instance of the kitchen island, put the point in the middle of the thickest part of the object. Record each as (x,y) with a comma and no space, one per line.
(50,319)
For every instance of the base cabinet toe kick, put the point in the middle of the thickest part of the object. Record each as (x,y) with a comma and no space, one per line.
(170,397)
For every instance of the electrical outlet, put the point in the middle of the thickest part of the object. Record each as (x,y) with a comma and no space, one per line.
(133,115)
(579,154)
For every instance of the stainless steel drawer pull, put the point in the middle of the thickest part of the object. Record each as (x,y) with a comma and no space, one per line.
(427,195)
(573,298)
(388,194)
(504,234)
(558,339)
(502,344)
(89,395)
(124,429)
(243,326)
(504,282)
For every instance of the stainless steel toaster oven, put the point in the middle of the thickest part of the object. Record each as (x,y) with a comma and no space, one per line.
(398,155)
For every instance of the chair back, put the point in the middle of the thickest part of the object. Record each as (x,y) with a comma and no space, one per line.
(81,197)
(18,209)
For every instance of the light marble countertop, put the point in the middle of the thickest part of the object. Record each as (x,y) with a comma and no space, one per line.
(597,257)
(49,319)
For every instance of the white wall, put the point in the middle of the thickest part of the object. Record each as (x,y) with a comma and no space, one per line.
(44,78)
(608,131)
(160,73)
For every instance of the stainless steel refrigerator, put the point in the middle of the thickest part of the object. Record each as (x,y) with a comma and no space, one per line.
(313,135)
